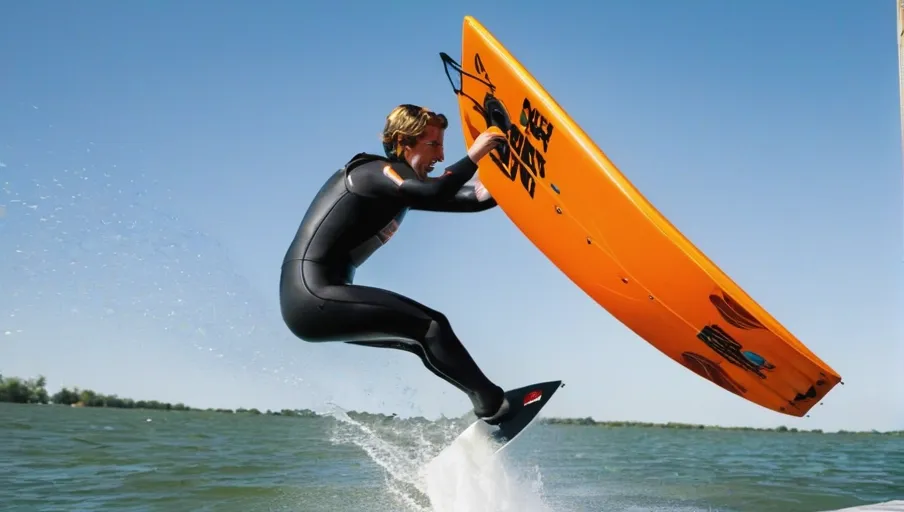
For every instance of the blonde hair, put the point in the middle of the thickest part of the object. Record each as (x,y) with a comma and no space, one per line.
(405,124)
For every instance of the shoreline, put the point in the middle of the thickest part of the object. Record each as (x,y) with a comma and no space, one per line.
(34,392)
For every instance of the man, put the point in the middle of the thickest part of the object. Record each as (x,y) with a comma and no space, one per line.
(355,213)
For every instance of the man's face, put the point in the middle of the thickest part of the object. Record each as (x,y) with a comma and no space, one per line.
(427,151)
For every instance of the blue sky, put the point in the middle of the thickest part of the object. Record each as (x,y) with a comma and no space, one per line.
(157,158)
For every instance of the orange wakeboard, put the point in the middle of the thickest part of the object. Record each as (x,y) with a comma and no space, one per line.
(565,195)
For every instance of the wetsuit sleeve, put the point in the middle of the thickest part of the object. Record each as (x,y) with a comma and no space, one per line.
(402,185)
(465,200)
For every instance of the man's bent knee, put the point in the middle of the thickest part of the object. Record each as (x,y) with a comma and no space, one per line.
(303,319)
(300,326)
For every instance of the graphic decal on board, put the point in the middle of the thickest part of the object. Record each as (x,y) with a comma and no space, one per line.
(711,371)
(533,396)
(523,159)
(734,313)
(726,346)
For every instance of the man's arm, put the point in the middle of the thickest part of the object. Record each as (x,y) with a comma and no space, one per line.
(382,179)
(468,199)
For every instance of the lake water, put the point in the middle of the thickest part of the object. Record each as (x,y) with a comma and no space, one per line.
(56,458)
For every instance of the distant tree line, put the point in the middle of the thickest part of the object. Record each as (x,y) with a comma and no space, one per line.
(16,390)
(587,421)
(34,391)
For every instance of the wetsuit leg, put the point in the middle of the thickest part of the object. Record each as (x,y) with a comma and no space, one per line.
(318,304)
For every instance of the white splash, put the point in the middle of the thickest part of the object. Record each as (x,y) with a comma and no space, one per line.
(468,476)
(435,467)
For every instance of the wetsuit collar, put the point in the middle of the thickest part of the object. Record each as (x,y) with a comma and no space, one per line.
(392,156)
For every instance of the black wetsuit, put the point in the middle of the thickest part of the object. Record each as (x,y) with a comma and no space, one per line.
(355,213)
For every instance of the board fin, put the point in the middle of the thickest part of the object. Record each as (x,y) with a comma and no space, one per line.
(525,403)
